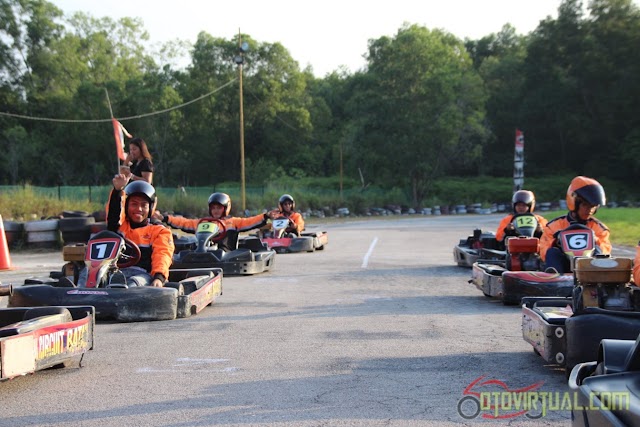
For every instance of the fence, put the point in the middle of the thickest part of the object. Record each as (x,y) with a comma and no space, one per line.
(100,194)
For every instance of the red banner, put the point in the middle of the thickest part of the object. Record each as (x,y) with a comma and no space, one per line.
(518,162)
(118,132)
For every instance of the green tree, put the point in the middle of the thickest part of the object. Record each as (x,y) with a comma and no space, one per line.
(499,59)
(420,108)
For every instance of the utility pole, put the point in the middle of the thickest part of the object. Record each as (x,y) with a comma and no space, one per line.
(239,59)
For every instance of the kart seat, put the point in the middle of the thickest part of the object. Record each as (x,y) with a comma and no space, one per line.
(253,244)
(492,253)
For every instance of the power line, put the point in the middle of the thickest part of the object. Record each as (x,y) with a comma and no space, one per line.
(122,119)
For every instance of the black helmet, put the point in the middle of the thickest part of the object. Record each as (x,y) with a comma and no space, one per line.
(142,188)
(221,199)
(284,198)
(526,197)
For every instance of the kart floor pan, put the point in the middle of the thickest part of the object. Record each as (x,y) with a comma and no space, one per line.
(245,263)
(124,305)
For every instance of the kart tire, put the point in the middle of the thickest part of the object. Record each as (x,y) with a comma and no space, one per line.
(62,365)
(176,286)
(74,214)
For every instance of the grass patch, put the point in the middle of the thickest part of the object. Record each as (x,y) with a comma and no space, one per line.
(622,222)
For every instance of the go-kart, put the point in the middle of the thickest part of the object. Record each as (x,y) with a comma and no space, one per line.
(604,304)
(105,287)
(32,339)
(575,241)
(607,389)
(467,251)
(280,241)
(522,254)
(249,257)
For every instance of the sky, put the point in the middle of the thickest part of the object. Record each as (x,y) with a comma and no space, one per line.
(325,34)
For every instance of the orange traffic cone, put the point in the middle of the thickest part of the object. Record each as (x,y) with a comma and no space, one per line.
(5,259)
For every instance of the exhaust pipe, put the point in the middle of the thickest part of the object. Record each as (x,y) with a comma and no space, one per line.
(6,290)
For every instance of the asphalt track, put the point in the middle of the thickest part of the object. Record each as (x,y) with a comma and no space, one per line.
(379,329)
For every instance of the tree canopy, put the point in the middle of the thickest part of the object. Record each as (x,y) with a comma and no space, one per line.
(426,105)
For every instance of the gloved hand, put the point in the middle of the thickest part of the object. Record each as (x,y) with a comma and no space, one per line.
(538,232)
(510,230)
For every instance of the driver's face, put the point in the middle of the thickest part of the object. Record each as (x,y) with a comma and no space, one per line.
(521,208)
(586,210)
(137,208)
(287,205)
(216,210)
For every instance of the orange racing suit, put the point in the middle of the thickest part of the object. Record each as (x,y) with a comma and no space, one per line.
(500,233)
(636,266)
(296,219)
(231,223)
(154,240)
(600,231)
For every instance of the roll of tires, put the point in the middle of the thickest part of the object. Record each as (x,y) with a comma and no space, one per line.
(99,216)
(74,214)
(41,225)
(98,227)
(75,223)
(43,233)
(76,229)
(14,232)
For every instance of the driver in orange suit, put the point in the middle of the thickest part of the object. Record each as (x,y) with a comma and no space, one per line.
(523,202)
(584,197)
(219,208)
(134,223)
(636,266)
(287,209)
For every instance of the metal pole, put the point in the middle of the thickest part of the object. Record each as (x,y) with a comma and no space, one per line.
(341,198)
(242,181)
(111,113)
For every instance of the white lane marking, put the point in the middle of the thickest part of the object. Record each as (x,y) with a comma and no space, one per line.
(155,371)
(365,261)
(183,361)
(187,362)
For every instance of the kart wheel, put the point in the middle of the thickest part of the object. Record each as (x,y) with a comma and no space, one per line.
(176,286)
(508,302)
(62,365)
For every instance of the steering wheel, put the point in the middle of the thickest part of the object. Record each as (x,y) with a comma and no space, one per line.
(222,229)
(130,255)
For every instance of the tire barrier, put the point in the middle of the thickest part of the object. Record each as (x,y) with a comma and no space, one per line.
(14,233)
(43,233)
(76,229)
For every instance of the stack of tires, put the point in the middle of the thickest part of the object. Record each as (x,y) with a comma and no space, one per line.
(14,232)
(75,227)
(42,233)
